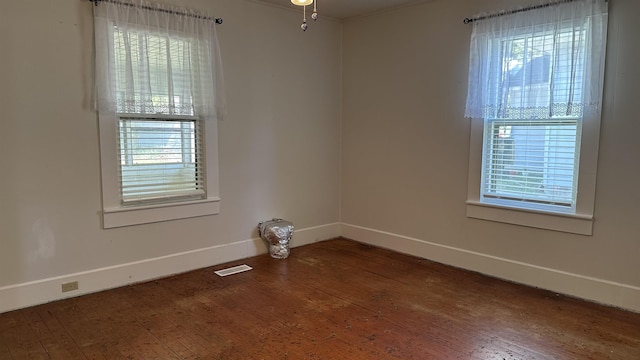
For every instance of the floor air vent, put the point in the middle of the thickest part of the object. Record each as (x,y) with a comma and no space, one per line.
(233,270)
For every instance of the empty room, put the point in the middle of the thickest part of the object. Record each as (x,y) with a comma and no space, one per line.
(328,179)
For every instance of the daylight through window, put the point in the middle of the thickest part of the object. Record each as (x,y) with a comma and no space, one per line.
(535,92)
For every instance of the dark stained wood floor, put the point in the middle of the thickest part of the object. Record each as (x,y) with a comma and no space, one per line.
(332,300)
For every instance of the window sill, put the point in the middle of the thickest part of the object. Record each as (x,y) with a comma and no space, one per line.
(570,223)
(127,216)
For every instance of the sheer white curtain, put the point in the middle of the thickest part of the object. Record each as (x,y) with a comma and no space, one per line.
(541,63)
(154,59)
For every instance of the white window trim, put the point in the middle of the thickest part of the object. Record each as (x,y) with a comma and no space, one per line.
(580,222)
(115,214)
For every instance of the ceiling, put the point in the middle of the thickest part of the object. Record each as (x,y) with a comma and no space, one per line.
(342,9)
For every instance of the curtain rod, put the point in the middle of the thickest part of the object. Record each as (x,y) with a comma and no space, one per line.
(217,20)
(503,13)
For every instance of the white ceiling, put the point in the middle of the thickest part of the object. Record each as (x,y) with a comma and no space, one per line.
(342,9)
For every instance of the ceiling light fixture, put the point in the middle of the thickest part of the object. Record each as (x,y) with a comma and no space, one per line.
(304,4)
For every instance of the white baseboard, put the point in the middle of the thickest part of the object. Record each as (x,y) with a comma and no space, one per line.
(42,291)
(584,287)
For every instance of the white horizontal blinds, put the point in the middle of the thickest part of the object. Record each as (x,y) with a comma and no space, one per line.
(531,161)
(184,76)
(160,159)
(545,62)
(532,135)
(541,74)
(160,148)
(153,73)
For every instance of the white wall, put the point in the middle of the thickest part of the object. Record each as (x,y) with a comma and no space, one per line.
(279,149)
(406,151)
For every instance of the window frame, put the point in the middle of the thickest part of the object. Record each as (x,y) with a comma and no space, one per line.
(531,203)
(115,214)
(579,221)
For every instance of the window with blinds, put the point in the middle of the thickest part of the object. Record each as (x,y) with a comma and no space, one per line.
(532,134)
(159,133)
(159,94)
(154,74)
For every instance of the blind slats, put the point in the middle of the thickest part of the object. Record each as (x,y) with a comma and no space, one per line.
(531,161)
(156,74)
(530,148)
(160,160)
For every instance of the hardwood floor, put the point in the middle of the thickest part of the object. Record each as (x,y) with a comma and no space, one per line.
(333,300)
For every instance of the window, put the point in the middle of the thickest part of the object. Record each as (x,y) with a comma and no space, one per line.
(535,87)
(158,89)
(529,149)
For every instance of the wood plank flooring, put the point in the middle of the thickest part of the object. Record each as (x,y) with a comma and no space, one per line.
(333,300)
